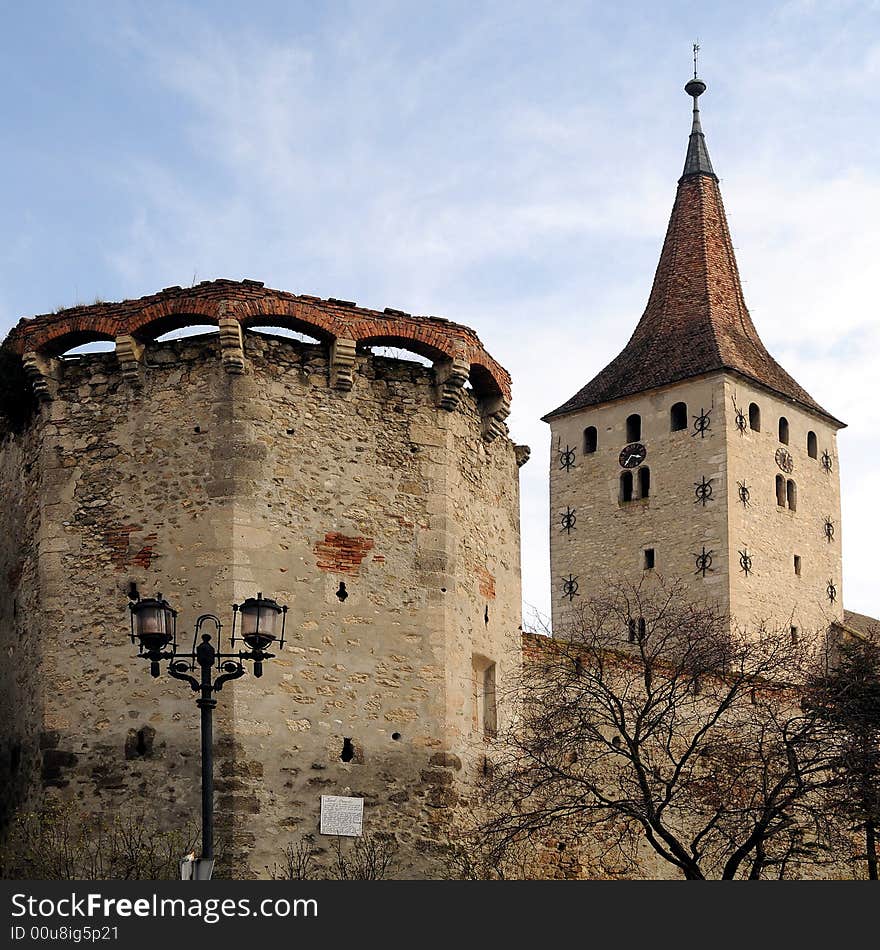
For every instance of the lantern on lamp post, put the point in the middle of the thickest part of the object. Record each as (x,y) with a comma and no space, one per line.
(154,629)
(259,626)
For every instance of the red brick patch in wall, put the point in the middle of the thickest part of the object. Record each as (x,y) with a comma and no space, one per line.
(487,583)
(146,553)
(118,538)
(341,554)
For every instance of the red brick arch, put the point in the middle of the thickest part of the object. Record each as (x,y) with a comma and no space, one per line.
(252,304)
(485,381)
(74,331)
(154,324)
(428,350)
(294,315)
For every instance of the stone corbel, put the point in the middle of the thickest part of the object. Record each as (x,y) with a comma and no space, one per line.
(342,364)
(231,344)
(130,354)
(523,454)
(495,409)
(40,371)
(451,376)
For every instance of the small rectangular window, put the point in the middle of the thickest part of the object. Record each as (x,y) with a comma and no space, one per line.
(649,559)
(795,634)
(484,707)
(797,564)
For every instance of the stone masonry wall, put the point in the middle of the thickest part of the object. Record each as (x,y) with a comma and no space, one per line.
(772,535)
(607,542)
(26,751)
(211,486)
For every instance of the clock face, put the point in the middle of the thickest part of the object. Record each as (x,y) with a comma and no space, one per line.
(632,455)
(784,460)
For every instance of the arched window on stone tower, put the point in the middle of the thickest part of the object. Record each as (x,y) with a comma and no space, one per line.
(812,445)
(791,495)
(780,491)
(644,481)
(678,417)
(591,440)
(634,428)
(783,430)
(754,417)
(626,486)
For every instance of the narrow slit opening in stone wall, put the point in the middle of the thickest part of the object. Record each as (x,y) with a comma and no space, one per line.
(347,753)
(754,417)
(633,427)
(139,743)
(342,593)
(678,417)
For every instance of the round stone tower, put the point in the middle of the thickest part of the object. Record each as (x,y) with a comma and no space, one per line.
(378,498)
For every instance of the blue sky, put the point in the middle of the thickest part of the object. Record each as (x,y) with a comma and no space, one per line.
(509,165)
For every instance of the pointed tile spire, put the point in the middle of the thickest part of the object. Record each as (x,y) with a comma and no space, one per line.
(696,320)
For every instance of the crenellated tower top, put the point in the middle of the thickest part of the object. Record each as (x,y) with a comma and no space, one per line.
(456,352)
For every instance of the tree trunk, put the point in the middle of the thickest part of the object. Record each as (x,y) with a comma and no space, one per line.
(871,849)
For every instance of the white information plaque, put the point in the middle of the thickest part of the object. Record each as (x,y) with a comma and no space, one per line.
(341,815)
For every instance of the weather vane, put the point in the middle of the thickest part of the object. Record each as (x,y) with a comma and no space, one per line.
(696,50)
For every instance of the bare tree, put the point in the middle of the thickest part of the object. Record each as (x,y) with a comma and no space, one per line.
(651,726)
(847,697)
(369,857)
(60,843)
(298,863)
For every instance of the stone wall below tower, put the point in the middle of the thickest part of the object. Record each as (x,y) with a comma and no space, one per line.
(386,522)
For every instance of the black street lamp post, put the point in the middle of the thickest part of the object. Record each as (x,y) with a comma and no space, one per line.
(154,628)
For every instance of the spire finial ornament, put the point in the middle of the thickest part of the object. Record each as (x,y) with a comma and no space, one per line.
(695,87)
(697,161)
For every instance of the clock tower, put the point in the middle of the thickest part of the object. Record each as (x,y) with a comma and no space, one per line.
(694,456)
